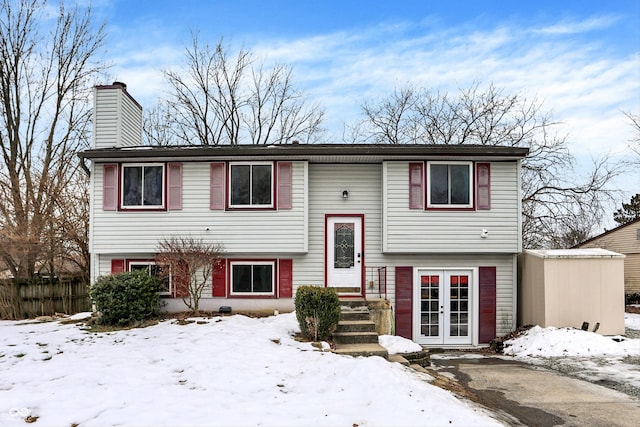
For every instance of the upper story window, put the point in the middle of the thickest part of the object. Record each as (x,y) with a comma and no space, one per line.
(449,184)
(143,186)
(251,185)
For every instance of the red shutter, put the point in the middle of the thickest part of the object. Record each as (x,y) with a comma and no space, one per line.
(117,266)
(285,278)
(483,185)
(285,172)
(404,302)
(487,304)
(416,185)
(181,279)
(110,187)
(175,186)
(219,279)
(217,195)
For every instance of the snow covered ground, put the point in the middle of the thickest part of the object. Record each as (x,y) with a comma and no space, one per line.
(241,371)
(221,371)
(611,361)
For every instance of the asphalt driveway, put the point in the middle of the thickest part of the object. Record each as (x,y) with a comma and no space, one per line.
(527,395)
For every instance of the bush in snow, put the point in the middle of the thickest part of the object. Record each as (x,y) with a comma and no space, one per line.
(317,311)
(632,298)
(126,298)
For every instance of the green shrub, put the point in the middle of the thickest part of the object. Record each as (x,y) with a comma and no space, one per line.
(126,298)
(317,311)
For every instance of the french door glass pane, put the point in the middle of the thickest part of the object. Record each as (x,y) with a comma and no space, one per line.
(430,305)
(458,306)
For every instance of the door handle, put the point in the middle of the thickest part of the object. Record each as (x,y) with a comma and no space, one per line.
(358,257)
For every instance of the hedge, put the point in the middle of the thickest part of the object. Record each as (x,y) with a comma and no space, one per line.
(126,298)
(317,311)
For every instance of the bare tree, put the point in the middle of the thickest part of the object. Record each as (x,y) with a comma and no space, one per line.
(71,226)
(157,125)
(46,71)
(191,263)
(554,203)
(224,98)
(634,142)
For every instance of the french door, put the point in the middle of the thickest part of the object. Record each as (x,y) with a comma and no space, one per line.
(443,307)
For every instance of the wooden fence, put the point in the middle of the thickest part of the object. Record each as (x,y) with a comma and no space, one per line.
(43,297)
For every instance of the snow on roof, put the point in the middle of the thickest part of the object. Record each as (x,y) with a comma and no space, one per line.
(574,253)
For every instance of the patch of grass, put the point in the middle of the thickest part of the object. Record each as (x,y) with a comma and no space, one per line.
(94,327)
(19,355)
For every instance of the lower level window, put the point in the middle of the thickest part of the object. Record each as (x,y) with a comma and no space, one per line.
(154,270)
(252,278)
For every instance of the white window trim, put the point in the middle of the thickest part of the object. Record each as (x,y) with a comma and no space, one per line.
(251,206)
(252,263)
(471,185)
(147,264)
(164,186)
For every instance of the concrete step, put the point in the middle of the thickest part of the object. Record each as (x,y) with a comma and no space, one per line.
(353,302)
(350,315)
(356,326)
(365,350)
(355,337)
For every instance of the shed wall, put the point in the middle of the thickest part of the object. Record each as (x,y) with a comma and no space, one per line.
(565,292)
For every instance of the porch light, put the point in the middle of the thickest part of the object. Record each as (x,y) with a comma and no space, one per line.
(345,194)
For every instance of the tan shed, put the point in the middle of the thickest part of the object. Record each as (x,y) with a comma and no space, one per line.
(566,287)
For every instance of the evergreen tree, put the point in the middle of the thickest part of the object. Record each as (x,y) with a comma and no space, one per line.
(629,211)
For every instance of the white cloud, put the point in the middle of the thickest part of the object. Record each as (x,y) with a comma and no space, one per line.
(581,26)
(581,81)
(578,80)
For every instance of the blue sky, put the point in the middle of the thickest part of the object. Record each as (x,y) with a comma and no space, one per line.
(580,58)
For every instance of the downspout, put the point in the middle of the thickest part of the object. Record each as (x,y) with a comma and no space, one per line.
(84,166)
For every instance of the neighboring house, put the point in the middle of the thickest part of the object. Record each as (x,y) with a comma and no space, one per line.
(624,239)
(433,228)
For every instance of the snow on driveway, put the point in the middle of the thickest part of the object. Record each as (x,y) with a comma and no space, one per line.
(220,371)
(611,361)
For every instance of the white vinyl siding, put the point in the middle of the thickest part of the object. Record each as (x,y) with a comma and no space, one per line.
(253,231)
(117,119)
(451,231)
(326,184)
